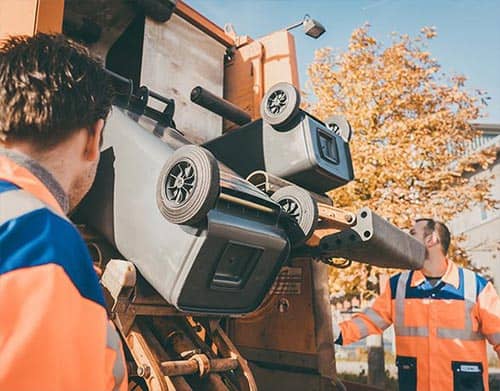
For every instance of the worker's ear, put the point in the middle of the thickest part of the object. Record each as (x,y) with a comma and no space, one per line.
(431,240)
(93,144)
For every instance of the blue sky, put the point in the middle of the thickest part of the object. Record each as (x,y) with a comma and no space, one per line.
(468,40)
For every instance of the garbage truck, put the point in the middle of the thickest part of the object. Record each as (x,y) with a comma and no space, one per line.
(209,218)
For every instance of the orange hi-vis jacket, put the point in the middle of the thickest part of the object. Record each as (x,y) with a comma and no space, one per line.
(54,331)
(440,330)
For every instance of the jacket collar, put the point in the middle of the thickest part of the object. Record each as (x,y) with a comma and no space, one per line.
(29,175)
(451,276)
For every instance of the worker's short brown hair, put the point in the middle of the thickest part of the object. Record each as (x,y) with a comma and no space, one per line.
(49,88)
(441,229)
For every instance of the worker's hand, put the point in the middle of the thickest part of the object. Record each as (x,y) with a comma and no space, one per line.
(335,324)
(336,330)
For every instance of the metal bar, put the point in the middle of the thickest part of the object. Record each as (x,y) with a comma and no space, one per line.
(171,336)
(223,364)
(159,97)
(190,367)
(246,203)
(147,366)
(338,218)
(179,368)
(174,383)
(227,348)
(219,106)
(154,310)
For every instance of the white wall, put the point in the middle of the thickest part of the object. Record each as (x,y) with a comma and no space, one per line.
(482,228)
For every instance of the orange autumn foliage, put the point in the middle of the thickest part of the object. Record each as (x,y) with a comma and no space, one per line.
(411,127)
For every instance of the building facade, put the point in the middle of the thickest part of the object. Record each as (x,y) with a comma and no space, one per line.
(480,225)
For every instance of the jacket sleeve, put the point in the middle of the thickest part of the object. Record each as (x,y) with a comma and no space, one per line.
(115,370)
(489,315)
(373,320)
(52,338)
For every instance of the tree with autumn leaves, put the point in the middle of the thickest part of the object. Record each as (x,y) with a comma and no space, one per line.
(412,128)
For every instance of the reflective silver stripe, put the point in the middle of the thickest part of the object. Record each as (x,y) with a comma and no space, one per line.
(463,335)
(494,338)
(404,331)
(400,299)
(16,203)
(376,318)
(113,342)
(363,329)
(470,287)
(399,325)
(401,288)
(467,333)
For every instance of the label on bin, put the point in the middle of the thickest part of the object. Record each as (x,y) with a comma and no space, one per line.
(288,282)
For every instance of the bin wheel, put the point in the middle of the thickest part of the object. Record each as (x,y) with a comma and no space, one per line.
(188,185)
(280,104)
(298,203)
(339,125)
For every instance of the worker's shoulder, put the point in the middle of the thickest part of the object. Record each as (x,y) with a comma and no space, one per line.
(480,280)
(394,279)
(33,235)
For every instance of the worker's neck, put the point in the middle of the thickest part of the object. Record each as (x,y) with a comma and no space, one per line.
(435,265)
(56,161)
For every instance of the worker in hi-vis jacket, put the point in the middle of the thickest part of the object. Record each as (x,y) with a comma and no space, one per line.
(55,334)
(442,316)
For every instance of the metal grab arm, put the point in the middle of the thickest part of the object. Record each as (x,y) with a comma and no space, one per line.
(375,241)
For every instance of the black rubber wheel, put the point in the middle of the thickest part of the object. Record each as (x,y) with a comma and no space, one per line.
(340,125)
(188,185)
(298,203)
(280,104)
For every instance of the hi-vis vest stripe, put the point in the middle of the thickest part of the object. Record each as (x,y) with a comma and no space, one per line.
(399,323)
(15,203)
(113,343)
(470,294)
(363,328)
(374,317)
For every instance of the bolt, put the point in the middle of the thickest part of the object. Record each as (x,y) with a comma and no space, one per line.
(349,217)
(179,182)
(283,305)
(144,371)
